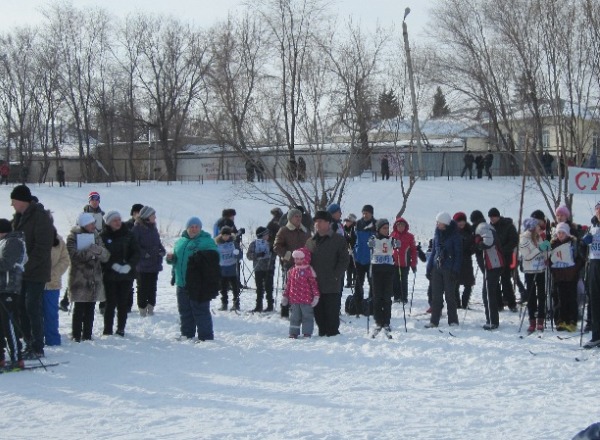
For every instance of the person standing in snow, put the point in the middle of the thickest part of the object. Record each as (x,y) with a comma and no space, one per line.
(60,263)
(405,258)
(152,252)
(329,260)
(383,269)
(85,277)
(259,252)
(365,228)
(466,277)
(230,256)
(508,240)
(301,294)
(592,241)
(443,269)
(350,236)
(195,260)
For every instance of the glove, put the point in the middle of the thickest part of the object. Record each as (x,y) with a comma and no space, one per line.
(285,301)
(588,239)
(315,301)
(371,242)
(287,256)
(125,269)
(116,267)
(236,252)
(414,269)
(478,239)
(544,246)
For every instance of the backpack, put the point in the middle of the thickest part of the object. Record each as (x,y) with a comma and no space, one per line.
(350,306)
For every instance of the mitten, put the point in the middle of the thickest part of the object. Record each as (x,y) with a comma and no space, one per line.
(116,267)
(315,301)
(125,269)
(236,252)
(544,246)
(588,239)
(285,301)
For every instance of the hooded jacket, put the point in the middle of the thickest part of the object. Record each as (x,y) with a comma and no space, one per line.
(406,253)
(184,248)
(151,249)
(446,253)
(85,276)
(301,285)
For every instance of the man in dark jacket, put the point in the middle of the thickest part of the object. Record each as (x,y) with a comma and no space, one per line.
(468,159)
(508,240)
(487,162)
(32,219)
(329,260)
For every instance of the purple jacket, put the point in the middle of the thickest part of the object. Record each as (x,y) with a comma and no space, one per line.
(151,249)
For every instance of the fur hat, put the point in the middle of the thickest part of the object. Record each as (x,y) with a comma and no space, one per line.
(563,227)
(333,208)
(226,230)
(322,215)
(21,193)
(111,215)
(136,207)
(293,212)
(146,212)
(529,224)
(277,211)
(351,217)
(563,210)
(368,208)
(5,226)
(193,221)
(303,254)
(476,217)
(93,196)
(443,217)
(229,212)
(459,217)
(494,212)
(381,223)
(261,231)
(85,218)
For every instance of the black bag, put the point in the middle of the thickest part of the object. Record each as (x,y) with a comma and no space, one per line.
(349,305)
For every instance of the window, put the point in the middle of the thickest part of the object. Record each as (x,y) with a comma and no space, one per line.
(546,139)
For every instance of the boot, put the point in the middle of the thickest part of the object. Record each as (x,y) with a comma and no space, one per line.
(259,306)
(223,307)
(236,305)
(269,306)
(540,325)
(531,327)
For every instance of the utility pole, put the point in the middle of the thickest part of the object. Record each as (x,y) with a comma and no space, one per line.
(413,95)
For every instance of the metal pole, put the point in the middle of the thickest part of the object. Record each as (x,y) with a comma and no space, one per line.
(413,96)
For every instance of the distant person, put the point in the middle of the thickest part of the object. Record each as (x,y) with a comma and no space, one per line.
(60,176)
(479,165)
(4,172)
(487,162)
(547,160)
(24,174)
(301,169)
(385,168)
(250,170)
(468,160)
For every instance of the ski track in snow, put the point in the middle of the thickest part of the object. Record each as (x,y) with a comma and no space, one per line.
(253,382)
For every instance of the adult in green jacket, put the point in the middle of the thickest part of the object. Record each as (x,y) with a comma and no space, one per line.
(194,314)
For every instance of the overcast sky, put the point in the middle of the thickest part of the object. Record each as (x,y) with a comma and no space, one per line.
(206,12)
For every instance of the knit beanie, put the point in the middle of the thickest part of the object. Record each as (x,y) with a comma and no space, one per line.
(538,214)
(443,217)
(193,221)
(136,207)
(529,224)
(85,218)
(381,223)
(146,212)
(351,217)
(333,208)
(111,215)
(459,217)
(322,215)
(563,210)
(293,212)
(494,212)
(302,254)
(226,230)
(261,231)
(477,217)
(5,225)
(368,208)
(21,193)
(563,227)
(93,196)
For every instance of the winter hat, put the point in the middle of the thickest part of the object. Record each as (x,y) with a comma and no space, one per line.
(381,223)
(111,215)
(293,212)
(21,193)
(538,215)
(146,212)
(494,212)
(333,208)
(322,215)
(303,254)
(301,209)
(261,231)
(136,207)
(459,217)
(564,227)
(443,217)
(529,224)
(193,221)
(226,230)
(85,218)
(229,212)
(5,226)
(351,217)
(277,211)
(476,217)
(563,210)
(368,208)
(93,196)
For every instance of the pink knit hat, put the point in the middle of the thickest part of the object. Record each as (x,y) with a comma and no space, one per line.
(563,210)
(303,254)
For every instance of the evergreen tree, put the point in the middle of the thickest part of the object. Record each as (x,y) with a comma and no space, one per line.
(388,105)
(440,107)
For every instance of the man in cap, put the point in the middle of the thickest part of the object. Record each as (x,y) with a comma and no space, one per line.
(36,224)
(508,240)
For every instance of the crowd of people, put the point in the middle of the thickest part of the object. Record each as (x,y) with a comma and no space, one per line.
(106,255)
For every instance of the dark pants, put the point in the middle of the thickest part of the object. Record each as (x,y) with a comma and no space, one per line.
(264,284)
(194,316)
(350,273)
(536,295)
(488,172)
(51,334)
(490,295)
(383,288)
(443,283)
(228,283)
(362,272)
(10,334)
(83,320)
(146,289)
(466,296)
(32,314)
(594,289)
(401,283)
(566,291)
(469,169)
(117,297)
(507,293)
(327,314)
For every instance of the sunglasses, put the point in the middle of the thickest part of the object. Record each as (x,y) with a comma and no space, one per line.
(95,198)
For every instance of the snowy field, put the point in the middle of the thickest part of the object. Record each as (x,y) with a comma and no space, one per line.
(253,382)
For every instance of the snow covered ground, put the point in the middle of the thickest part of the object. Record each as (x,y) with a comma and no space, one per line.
(253,382)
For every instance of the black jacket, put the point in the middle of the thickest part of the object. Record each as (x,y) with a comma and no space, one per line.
(203,276)
(508,237)
(123,248)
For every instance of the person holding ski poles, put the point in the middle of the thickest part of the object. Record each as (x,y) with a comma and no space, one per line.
(365,228)
(405,258)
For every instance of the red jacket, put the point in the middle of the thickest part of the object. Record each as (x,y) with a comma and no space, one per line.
(406,252)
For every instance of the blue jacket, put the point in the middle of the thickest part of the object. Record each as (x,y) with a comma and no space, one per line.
(364,230)
(228,258)
(446,251)
(151,248)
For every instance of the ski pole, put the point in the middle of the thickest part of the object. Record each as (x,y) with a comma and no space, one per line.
(404,313)
(412,292)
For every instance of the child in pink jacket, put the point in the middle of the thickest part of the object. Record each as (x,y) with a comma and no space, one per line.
(302,294)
